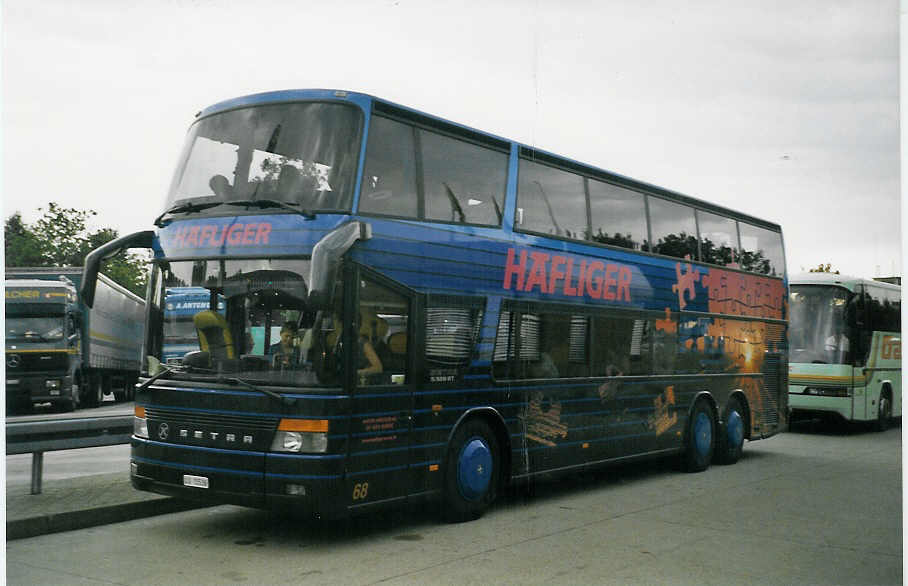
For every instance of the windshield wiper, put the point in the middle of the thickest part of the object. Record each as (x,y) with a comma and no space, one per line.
(185,208)
(161,374)
(272,203)
(33,334)
(248,385)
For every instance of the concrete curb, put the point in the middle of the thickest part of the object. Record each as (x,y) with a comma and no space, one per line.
(92,517)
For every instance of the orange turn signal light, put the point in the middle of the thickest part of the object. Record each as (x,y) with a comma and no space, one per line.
(140,412)
(310,425)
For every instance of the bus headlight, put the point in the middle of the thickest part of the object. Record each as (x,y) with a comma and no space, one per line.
(140,424)
(827,391)
(301,436)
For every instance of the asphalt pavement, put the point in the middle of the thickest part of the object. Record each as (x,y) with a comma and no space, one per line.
(80,502)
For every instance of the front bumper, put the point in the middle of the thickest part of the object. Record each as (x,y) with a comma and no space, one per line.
(799,402)
(240,478)
(21,388)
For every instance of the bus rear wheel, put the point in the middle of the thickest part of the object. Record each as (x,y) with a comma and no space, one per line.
(700,440)
(471,471)
(730,443)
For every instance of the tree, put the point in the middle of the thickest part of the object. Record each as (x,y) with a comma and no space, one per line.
(22,247)
(64,234)
(827,268)
(60,237)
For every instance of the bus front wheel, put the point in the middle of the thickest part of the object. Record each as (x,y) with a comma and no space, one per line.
(471,471)
(884,412)
(700,440)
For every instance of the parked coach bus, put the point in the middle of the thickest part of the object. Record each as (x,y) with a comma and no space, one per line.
(846,348)
(452,311)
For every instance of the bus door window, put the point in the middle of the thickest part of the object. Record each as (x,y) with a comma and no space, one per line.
(381,343)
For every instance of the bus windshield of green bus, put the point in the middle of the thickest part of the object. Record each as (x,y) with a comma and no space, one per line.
(819,331)
(298,154)
(246,320)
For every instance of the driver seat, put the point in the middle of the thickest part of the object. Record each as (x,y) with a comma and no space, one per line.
(214,334)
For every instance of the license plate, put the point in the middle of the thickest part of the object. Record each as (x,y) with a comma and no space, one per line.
(12,381)
(54,393)
(195,481)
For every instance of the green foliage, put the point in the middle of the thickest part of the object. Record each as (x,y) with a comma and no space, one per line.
(827,268)
(618,239)
(22,247)
(678,245)
(60,237)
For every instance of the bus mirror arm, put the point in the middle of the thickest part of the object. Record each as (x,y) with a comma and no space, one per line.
(93,261)
(326,258)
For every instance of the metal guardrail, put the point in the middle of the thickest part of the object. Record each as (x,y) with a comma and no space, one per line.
(47,435)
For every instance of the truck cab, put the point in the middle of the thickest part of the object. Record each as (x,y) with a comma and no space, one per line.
(42,343)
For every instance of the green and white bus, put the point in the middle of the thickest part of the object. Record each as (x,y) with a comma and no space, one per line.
(846,348)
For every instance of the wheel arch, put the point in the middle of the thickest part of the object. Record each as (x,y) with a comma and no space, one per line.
(495,421)
(704,395)
(742,398)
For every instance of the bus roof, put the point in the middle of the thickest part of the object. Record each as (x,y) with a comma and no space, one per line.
(850,283)
(429,120)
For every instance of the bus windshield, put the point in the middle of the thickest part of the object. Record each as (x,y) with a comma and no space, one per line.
(302,154)
(245,319)
(819,329)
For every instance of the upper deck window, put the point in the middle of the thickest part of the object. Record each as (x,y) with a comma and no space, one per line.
(718,239)
(303,154)
(551,201)
(674,230)
(761,250)
(389,180)
(618,215)
(416,173)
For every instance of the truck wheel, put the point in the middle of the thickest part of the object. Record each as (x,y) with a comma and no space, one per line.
(70,403)
(700,439)
(94,394)
(471,471)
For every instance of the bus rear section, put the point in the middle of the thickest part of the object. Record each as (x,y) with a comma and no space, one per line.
(845,349)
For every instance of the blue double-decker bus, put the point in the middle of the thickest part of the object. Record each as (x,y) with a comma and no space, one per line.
(416,309)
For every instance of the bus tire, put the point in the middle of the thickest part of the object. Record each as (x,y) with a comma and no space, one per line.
(471,471)
(730,440)
(700,438)
(884,411)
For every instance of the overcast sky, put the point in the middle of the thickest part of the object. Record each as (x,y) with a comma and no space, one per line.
(784,110)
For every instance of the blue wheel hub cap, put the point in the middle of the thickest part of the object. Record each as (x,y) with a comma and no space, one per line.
(735,429)
(474,469)
(703,433)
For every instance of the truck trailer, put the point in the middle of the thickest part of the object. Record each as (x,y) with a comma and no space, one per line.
(58,350)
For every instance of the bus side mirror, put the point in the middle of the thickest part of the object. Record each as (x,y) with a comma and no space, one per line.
(197,359)
(93,261)
(326,259)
